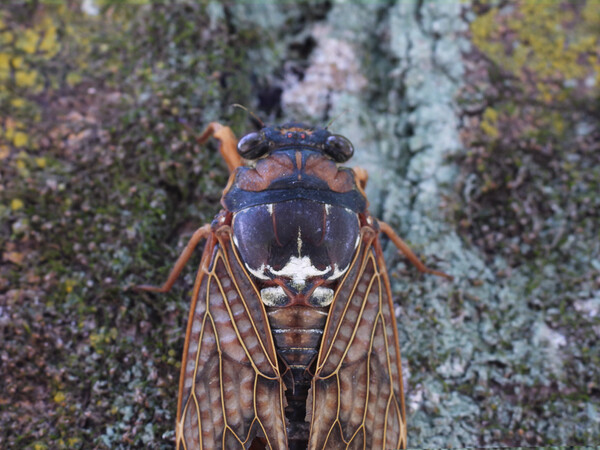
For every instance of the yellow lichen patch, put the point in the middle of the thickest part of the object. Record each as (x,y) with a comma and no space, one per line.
(4,68)
(17,102)
(17,62)
(527,39)
(6,38)
(590,14)
(20,139)
(96,341)
(22,162)
(482,28)
(73,78)
(24,50)
(9,129)
(49,44)
(16,204)
(545,93)
(22,169)
(59,397)
(24,78)
(40,162)
(488,124)
(4,61)
(69,284)
(28,41)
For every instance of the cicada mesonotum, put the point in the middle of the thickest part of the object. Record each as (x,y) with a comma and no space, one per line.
(291,340)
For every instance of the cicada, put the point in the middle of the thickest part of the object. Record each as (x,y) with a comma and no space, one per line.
(291,339)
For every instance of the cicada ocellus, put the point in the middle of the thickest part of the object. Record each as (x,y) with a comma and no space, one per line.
(291,339)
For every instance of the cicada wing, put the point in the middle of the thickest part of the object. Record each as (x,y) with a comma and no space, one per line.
(356,395)
(230,388)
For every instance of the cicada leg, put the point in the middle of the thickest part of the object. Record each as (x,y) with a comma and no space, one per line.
(404,248)
(200,234)
(361,176)
(228,143)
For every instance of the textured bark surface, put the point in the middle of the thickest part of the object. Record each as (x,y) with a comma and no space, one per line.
(101,186)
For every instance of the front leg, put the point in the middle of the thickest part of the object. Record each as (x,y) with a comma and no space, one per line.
(404,248)
(199,234)
(227,143)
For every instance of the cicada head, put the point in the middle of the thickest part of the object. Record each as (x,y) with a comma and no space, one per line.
(290,135)
(294,161)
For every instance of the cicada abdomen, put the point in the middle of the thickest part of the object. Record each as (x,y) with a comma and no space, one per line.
(291,339)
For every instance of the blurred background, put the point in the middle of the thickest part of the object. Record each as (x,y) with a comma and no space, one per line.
(478,122)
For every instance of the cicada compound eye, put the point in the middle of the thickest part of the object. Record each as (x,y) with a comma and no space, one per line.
(339,148)
(253,145)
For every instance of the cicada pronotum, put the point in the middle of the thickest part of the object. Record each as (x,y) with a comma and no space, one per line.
(291,340)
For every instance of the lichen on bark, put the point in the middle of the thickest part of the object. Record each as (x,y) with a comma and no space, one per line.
(488,172)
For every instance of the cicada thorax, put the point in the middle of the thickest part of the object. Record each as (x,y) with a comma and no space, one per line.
(296,237)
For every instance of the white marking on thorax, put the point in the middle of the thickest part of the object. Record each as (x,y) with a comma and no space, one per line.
(299,270)
(270,208)
(299,242)
(327,209)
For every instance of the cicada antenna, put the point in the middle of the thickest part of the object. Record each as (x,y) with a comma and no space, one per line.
(337,117)
(237,105)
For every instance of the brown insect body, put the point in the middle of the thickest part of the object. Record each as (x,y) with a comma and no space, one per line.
(291,340)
